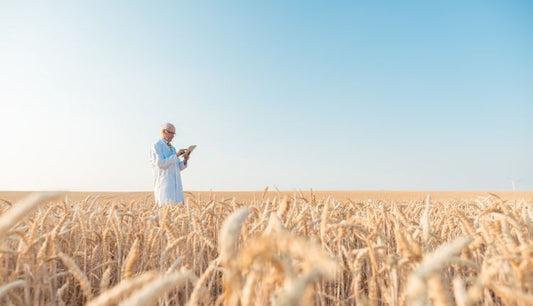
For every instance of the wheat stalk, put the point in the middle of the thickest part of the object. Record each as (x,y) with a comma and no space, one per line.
(14,284)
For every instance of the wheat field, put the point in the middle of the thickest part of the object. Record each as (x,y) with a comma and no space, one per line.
(267,248)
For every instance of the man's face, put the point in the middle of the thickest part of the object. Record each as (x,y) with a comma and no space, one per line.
(168,134)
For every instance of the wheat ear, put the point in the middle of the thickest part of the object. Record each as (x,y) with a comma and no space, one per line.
(21,210)
(295,290)
(199,287)
(123,289)
(106,279)
(433,262)
(153,290)
(78,274)
(229,234)
(131,259)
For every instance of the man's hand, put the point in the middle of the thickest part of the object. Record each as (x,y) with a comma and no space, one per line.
(181,152)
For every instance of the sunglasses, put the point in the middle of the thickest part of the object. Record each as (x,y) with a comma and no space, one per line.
(170,132)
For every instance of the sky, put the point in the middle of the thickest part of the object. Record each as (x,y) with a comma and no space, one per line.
(328,95)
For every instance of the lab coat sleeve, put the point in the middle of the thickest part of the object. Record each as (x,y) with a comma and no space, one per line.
(158,160)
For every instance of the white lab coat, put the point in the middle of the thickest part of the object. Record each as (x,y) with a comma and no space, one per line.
(166,166)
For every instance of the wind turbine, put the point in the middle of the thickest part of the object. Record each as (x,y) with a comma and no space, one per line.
(513,182)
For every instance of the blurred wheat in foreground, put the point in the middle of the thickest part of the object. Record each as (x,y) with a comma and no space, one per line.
(280,251)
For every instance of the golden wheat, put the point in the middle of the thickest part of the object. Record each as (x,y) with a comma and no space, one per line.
(274,249)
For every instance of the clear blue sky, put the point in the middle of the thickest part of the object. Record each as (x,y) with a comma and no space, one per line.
(331,95)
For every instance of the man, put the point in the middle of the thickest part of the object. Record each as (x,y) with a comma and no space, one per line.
(167,165)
